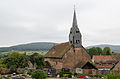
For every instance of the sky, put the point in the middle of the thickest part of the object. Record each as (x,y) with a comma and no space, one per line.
(27,21)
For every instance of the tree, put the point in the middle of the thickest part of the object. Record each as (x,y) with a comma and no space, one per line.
(16,60)
(39,60)
(107,50)
(39,74)
(99,50)
(93,51)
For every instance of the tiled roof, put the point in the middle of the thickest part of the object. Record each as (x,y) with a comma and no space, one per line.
(105,58)
(104,67)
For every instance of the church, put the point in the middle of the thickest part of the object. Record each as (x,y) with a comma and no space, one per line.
(71,55)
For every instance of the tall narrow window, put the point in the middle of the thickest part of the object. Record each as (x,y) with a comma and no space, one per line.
(76,41)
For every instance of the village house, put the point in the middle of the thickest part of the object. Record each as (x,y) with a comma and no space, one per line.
(70,55)
(105,62)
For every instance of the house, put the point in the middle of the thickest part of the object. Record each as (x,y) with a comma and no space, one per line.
(105,62)
(69,55)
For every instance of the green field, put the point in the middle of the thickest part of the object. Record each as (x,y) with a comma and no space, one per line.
(27,52)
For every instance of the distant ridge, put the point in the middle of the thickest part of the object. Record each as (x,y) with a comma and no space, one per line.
(45,46)
(115,48)
(37,46)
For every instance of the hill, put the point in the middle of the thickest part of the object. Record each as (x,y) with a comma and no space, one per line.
(115,48)
(38,46)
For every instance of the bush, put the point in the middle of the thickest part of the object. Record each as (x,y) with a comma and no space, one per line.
(65,74)
(52,75)
(112,75)
(70,76)
(39,74)
(61,74)
(75,74)
(98,76)
(29,73)
(2,73)
(80,75)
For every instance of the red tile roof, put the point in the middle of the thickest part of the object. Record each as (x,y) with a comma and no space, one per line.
(104,58)
(104,66)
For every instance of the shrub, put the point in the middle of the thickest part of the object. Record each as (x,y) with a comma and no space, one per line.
(65,74)
(39,74)
(75,74)
(98,76)
(70,76)
(61,74)
(29,73)
(80,75)
(52,75)
(2,73)
(112,75)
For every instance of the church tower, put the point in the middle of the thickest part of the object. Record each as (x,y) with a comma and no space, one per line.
(75,37)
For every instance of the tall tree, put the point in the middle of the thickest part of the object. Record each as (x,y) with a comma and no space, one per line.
(99,50)
(39,60)
(93,51)
(107,50)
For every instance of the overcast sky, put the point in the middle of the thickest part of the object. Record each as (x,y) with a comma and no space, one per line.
(26,21)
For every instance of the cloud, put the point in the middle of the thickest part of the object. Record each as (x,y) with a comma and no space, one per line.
(23,21)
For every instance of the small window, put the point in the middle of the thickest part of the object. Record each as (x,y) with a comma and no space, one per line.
(70,32)
(70,41)
(77,31)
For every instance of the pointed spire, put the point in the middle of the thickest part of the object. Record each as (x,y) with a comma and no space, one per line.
(74,18)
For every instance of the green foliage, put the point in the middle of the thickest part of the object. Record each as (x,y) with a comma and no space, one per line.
(107,50)
(112,75)
(52,75)
(93,64)
(16,60)
(29,73)
(98,51)
(39,74)
(39,60)
(2,73)
(98,76)
(75,74)
(70,76)
(93,51)
(78,75)
(65,74)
